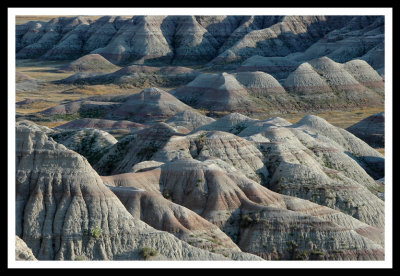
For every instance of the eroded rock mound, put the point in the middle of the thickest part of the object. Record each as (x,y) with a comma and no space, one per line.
(138,76)
(152,104)
(367,157)
(189,119)
(260,221)
(162,214)
(65,212)
(215,92)
(216,40)
(259,83)
(324,83)
(24,82)
(90,63)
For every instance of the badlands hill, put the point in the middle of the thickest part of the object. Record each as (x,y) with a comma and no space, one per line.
(180,40)
(68,213)
(270,189)
(258,220)
(189,120)
(148,106)
(90,63)
(25,83)
(319,84)
(217,92)
(371,130)
(137,76)
(151,104)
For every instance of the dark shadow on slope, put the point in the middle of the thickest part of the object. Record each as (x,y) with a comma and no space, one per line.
(374,166)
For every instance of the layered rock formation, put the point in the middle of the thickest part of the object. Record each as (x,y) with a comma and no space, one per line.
(201,39)
(152,104)
(138,76)
(135,148)
(211,189)
(259,83)
(189,120)
(90,63)
(314,85)
(362,37)
(65,212)
(215,92)
(258,220)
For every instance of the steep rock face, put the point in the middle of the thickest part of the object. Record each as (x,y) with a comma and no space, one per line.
(151,104)
(248,24)
(200,39)
(140,38)
(220,27)
(292,34)
(41,38)
(71,44)
(65,212)
(258,220)
(101,32)
(22,251)
(371,130)
(214,92)
(193,43)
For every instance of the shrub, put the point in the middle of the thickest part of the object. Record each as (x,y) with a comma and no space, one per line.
(96,232)
(80,258)
(148,252)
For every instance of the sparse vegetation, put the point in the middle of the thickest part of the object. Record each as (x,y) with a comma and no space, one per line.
(80,258)
(148,252)
(148,151)
(96,232)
